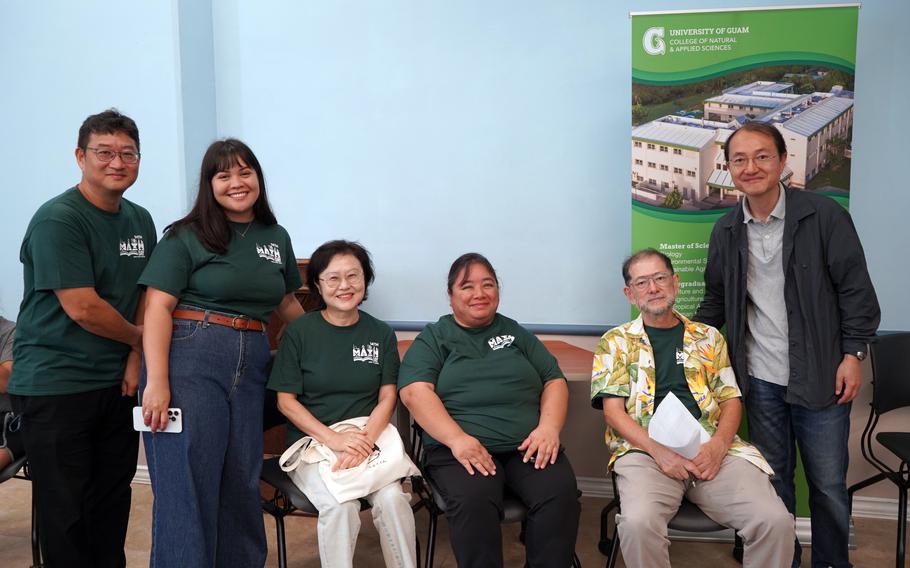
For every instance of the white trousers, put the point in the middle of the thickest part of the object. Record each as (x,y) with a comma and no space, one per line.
(339,523)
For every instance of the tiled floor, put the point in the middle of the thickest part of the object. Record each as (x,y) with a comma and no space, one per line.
(876,538)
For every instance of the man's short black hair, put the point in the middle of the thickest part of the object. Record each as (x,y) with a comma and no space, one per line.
(108,122)
(760,128)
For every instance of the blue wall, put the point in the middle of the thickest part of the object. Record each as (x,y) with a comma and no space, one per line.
(60,62)
(424,129)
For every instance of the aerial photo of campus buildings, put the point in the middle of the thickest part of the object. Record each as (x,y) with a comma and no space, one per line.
(684,152)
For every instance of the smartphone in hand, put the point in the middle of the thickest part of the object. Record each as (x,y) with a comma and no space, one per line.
(174,421)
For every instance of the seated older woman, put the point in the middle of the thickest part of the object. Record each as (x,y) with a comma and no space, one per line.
(319,383)
(492,402)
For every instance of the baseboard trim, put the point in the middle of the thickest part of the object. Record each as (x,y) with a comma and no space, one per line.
(597,487)
(876,508)
(142,475)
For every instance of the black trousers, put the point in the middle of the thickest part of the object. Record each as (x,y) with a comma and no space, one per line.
(82,453)
(474,508)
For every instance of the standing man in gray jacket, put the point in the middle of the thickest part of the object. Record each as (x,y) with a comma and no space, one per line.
(787,275)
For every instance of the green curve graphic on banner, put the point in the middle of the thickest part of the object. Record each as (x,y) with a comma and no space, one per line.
(842,200)
(677,216)
(741,64)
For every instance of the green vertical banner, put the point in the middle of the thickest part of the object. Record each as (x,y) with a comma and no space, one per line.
(697,76)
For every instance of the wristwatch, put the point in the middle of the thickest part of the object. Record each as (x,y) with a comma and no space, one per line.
(861,355)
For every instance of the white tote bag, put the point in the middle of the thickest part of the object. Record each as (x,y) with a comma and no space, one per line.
(388,463)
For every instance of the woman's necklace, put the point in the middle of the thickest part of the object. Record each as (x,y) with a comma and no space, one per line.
(245,231)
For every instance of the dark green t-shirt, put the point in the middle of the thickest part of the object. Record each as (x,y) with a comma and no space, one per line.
(250,279)
(669,372)
(489,378)
(336,371)
(70,243)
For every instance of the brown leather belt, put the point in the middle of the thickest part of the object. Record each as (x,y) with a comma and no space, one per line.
(240,323)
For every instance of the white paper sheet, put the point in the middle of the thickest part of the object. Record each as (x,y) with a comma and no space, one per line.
(674,426)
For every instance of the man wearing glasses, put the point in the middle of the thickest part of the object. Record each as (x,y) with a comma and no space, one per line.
(77,352)
(636,366)
(787,275)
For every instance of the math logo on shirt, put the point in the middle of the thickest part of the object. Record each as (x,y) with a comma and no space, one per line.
(133,246)
(270,252)
(367,353)
(500,342)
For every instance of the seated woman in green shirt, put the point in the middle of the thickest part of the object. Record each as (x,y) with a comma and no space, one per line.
(334,364)
(212,284)
(492,402)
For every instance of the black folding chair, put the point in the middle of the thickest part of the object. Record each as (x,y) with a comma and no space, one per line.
(514,510)
(890,356)
(286,498)
(688,519)
(19,469)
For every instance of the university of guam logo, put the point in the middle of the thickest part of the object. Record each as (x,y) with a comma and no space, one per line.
(270,252)
(367,353)
(653,41)
(500,341)
(133,246)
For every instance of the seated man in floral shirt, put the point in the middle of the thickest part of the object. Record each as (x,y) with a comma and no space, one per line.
(635,366)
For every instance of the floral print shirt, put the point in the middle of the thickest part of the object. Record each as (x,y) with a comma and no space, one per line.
(624,366)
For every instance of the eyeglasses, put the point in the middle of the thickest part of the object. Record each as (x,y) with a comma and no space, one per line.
(104,155)
(333,281)
(760,160)
(661,279)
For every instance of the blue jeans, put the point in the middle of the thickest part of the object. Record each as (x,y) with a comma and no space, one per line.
(775,427)
(205,479)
